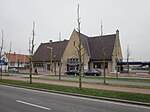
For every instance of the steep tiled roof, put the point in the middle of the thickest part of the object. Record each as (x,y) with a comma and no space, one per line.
(43,52)
(84,40)
(12,57)
(93,46)
(96,46)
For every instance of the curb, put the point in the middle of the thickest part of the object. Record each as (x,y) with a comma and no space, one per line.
(82,95)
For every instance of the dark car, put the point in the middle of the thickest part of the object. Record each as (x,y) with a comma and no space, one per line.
(72,72)
(92,73)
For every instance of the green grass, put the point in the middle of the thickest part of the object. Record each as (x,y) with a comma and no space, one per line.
(107,78)
(94,92)
(122,79)
(129,86)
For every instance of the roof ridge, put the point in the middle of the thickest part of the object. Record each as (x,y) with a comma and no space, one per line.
(16,54)
(55,41)
(103,35)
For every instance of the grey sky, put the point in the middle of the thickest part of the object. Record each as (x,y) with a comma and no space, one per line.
(131,17)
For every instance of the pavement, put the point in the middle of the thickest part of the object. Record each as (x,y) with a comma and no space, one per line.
(14,99)
(121,75)
(75,84)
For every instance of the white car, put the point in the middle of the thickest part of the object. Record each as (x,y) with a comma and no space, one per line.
(13,70)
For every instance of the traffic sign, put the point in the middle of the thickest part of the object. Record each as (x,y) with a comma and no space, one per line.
(2,62)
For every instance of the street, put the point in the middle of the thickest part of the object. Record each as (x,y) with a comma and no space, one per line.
(13,99)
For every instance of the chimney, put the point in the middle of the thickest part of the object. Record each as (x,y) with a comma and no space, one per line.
(50,41)
(117,33)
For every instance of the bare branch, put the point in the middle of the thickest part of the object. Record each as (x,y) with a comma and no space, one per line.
(2,44)
(31,51)
(75,53)
(83,53)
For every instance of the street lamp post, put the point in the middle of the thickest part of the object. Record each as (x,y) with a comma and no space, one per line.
(50,59)
(55,64)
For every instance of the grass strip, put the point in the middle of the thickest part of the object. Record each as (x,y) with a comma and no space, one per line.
(98,77)
(93,92)
(108,84)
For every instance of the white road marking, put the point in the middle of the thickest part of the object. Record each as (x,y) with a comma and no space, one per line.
(19,101)
(83,98)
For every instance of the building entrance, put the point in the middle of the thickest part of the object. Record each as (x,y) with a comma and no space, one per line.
(72,64)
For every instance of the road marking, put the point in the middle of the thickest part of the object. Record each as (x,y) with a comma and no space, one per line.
(19,101)
(83,98)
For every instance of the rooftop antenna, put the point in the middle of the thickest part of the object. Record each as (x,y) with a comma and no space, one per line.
(101,28)
(10,47)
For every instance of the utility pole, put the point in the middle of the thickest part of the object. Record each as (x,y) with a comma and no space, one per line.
(128,56)
(101,28)
(55,64)
(51,58)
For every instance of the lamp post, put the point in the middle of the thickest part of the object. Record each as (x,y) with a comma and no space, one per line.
(50,59)
(55,64)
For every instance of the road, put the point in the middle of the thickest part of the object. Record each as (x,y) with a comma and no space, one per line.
(13,99)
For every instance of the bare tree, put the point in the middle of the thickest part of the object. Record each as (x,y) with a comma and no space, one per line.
(2,44)
(60,56)
(18,61)
(128,56)
(80,50)
(31,51)
(103,53)
(9,55)
(1,49)
(149,68)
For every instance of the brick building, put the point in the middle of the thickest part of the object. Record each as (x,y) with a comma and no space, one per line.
(93,47)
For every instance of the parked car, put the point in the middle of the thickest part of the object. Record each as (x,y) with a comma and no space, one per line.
(92,73)
(72,72)
(13,70)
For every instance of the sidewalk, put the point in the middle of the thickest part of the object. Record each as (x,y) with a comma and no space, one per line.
(84,85)
(122,75)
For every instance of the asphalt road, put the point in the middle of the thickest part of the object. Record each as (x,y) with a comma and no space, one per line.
(13,99)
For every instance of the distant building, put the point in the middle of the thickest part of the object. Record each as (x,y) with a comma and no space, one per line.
(93,57)
(16,60)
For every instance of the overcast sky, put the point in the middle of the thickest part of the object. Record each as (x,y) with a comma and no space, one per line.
(131,17)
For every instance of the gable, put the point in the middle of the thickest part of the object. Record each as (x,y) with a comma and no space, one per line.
(117,52)
(72,46)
